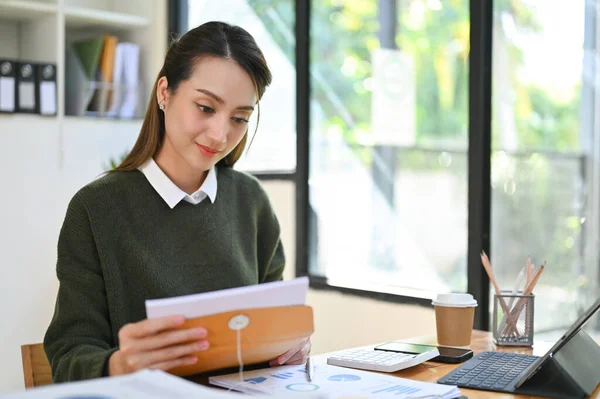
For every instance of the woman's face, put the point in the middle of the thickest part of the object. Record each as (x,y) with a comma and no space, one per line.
(207,116)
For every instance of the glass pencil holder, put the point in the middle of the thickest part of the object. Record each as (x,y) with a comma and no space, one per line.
(512,323)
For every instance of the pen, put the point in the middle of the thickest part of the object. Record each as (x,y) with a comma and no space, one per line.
(310,371)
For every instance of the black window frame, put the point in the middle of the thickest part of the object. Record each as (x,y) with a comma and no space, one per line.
(479,161)
(479,157)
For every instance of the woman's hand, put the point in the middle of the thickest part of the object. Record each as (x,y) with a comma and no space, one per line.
(297,355)
(153,344)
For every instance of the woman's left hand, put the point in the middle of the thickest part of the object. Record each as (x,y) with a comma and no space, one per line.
(296,355)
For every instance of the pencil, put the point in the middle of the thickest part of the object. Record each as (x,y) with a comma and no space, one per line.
(488,268)
(528,291)
(529,270)
(534,280)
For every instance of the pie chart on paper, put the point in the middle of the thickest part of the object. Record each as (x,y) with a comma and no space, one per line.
(344,378)
(302,387)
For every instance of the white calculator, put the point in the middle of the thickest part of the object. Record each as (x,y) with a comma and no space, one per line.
(379,360)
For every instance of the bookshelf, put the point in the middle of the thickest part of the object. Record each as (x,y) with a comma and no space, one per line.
(42,31)
(83,17)
(21,10)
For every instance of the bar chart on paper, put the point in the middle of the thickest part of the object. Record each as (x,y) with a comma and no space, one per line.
(344,377)
(331,381)
(399,390)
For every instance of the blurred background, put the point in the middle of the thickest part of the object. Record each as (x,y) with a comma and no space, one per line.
(382,161)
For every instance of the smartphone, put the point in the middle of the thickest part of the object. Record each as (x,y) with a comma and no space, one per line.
(447,354)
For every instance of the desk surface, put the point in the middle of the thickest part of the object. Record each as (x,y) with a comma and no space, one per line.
(431,372)
(481,342)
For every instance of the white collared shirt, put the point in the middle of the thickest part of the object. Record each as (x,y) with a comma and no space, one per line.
(173,194)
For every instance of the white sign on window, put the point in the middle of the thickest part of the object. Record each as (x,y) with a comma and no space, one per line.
(393,98)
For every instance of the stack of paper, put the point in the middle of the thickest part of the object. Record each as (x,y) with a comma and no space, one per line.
(280,293)
(144,384)
(130,79)
(333,382)
(102,78)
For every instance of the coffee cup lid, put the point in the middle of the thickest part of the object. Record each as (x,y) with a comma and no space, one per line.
(455,300)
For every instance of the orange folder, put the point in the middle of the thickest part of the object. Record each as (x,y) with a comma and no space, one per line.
(107,58)
(269,333)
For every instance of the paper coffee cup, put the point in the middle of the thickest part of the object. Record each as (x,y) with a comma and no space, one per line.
(454,315)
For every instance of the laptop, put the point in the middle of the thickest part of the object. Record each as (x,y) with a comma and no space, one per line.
(510,372)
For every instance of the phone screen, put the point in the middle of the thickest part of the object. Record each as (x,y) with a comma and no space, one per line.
(405,348)
(416,349)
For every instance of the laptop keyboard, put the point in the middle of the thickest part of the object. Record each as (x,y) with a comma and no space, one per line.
(489,371)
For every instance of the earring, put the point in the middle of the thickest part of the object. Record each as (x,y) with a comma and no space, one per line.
(161,106)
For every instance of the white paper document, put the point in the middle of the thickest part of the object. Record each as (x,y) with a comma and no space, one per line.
(48,98)
(130,80)
(27,95)
(7,93)
(332,382)
(143,384)
(279,293)
(117,93)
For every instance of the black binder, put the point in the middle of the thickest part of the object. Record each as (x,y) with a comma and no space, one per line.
(8,76)
(46,88)
(26,99)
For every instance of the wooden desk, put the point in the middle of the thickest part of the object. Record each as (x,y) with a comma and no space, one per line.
(431,372)
(481,342)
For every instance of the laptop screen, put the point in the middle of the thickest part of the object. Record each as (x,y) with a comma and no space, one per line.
(574,329)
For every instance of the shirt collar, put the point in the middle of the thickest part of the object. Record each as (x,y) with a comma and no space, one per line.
(169,191)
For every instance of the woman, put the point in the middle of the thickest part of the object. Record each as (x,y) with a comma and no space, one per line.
(173,219)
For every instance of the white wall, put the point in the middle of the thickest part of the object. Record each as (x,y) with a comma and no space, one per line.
(37,181)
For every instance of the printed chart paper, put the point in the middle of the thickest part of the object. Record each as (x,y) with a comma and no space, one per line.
(332,382)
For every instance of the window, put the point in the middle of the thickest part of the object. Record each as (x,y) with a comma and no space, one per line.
(388,145)
(544,162)
(271,23)
(389,138)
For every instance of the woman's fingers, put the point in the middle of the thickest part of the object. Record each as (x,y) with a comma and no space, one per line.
(274,363)
(172,353)
(149,327)
(157,343)
(301,356)
(284,358)
(182,361)
(302,348)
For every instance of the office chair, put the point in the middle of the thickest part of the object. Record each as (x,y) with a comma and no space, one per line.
(36,368)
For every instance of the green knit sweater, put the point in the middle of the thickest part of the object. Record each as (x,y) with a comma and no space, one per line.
(121,244)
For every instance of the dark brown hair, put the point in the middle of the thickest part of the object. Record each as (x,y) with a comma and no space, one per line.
(217,39)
